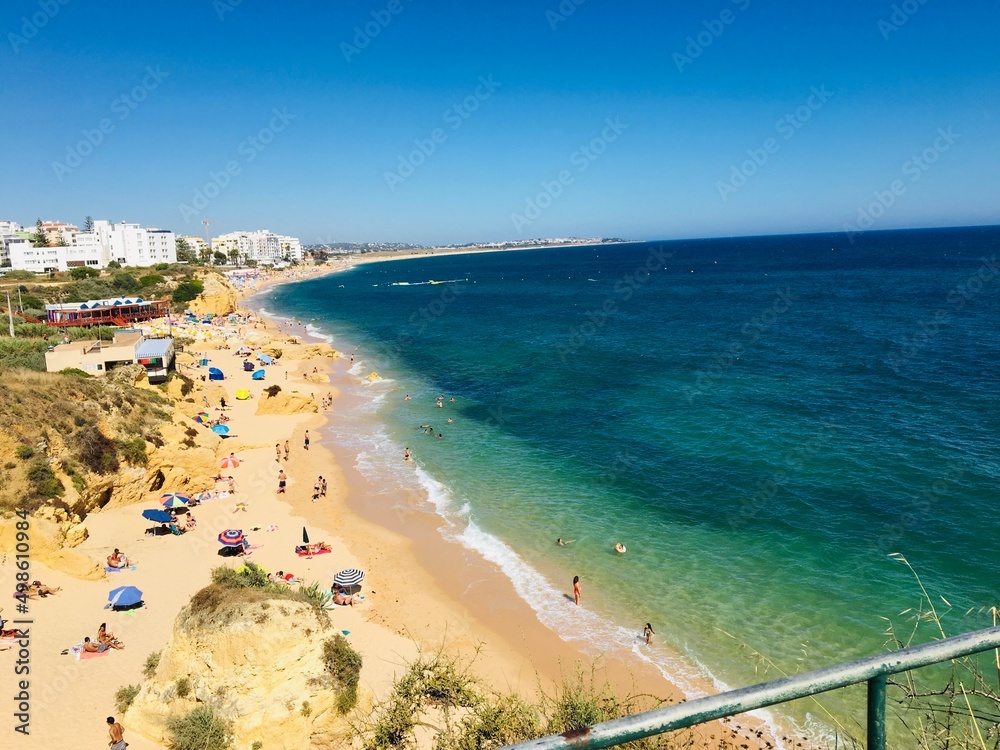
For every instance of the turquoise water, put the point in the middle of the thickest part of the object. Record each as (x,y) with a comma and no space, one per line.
(760,421)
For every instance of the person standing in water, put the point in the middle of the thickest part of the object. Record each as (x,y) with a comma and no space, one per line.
(576,590)
(648,633)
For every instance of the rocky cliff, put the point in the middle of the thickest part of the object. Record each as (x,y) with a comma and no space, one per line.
(219,297)
(256,662)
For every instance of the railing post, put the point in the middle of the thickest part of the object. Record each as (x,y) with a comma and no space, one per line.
(876,713)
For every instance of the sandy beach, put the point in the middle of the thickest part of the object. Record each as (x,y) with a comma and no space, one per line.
(423,593)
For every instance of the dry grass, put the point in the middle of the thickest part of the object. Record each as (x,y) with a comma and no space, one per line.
(63,426)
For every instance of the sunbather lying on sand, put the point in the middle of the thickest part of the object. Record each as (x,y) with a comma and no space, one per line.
(37,589)
(342,598)
(89,645)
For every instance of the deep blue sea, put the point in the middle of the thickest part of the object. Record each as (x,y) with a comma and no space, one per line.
(761,421)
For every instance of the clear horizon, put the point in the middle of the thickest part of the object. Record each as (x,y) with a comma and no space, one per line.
(399,122)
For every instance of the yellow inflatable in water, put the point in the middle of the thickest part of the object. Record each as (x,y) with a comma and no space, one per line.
(373,376)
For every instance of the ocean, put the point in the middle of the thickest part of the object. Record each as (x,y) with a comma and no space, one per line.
(761,422)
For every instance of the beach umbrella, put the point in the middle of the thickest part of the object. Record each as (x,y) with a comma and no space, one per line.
(157,516)
(349,577)
(267,359)
(220,429)
(231,537)
(203,417)
(125,596)
(259,375)
(229,462)
(305,536)
(242,394)
(174,503)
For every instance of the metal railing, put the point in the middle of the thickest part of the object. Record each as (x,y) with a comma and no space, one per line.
(873,669)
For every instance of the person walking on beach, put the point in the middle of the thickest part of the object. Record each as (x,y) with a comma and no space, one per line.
(282,480)
(306,441)
(576,590)
(322,487)
(277,452)
(648,633)
(117,734)
(287,450)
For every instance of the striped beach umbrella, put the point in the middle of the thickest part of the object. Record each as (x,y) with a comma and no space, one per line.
(231,537)
(203,417)
(229,462)
(175,500)
(349,577)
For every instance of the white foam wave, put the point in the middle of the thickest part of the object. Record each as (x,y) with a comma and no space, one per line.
(316,332)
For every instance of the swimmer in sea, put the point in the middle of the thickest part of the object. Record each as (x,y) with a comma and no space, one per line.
(648,633)
(407,397)
(576,590)
(620,548)
(450,420)
(406,455)
(560,542)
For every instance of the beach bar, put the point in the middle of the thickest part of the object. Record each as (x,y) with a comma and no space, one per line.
(96,357)
(123,311)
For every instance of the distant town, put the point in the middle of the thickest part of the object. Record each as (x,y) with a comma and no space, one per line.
(54,246)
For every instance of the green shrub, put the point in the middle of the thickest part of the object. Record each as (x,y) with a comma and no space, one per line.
(133,450)
(125,696)
(75,372)
(83,272)
(24,452)
(257,745)
(44,481)
(152,662)
(246,576)
(188,290)
(200,729)
(161,266)
(183,687)
(96,451)
(151,280)
(344,665)
(19,275)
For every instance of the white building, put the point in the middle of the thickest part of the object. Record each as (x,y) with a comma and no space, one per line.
(129,244)
(261,246)
(197,244)
(8,233)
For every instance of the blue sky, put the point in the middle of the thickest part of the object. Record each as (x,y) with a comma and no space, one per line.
(446,122)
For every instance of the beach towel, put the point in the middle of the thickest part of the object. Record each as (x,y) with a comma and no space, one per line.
(108,569)
(93,654)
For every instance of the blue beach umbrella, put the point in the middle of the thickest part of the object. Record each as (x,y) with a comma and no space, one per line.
(125,596)
(220,429)
(266,359)
(157,516)
(259,375)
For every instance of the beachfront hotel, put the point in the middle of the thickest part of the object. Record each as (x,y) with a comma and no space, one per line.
(261,246)
(127,244)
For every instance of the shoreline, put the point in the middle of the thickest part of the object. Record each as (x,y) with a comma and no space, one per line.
(488,596)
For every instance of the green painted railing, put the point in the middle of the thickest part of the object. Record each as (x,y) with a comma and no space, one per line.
(873,670)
